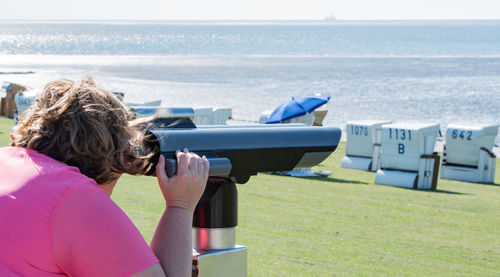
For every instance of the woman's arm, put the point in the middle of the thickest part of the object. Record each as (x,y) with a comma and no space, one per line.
(172,244)
(172,241)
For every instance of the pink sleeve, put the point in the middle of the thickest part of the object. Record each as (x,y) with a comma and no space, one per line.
(92,236)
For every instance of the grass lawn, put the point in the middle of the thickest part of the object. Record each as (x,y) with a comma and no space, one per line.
(345,225)
(5,128)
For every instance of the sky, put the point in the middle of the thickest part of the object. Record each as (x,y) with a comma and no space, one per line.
(248,9)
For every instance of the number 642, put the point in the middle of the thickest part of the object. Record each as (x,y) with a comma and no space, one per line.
(462,134)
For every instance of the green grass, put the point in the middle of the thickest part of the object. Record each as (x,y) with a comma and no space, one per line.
(345,225)
(5,128)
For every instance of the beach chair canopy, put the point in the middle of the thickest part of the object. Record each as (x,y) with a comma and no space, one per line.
(297,106)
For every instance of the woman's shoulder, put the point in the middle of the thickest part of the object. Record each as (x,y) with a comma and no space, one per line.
(38,174)
(32,157)
(36,189)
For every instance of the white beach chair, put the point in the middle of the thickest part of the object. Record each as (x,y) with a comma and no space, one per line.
(306,119)
(23,100)
(8,105)
(203,116)
(363,145)
(407,157)
(221,115)
(468,155)
(319,116)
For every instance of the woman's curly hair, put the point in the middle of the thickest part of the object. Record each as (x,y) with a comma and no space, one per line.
(85,126)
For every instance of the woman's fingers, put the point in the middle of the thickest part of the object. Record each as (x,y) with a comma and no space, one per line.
(193,163)
(182,163)
(206,167)
(161,174)
(185,189)
(201,167)
(190,163)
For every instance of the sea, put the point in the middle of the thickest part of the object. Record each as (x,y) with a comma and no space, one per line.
(405,71)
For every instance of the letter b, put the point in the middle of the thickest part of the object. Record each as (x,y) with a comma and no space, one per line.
(401,148)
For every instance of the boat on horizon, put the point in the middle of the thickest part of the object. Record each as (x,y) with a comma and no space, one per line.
(330,18)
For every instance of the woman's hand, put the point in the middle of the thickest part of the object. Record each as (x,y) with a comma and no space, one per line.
(185,188)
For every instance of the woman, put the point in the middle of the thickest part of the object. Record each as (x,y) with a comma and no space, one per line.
(56,215)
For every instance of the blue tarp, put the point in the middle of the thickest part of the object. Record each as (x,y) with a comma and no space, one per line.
(6,86)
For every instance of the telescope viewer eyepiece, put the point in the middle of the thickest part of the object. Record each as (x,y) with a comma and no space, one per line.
(239,152)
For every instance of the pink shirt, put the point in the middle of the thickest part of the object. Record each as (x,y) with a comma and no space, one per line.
(56,221)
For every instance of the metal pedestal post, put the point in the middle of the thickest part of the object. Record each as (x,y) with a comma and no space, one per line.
(214,223)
